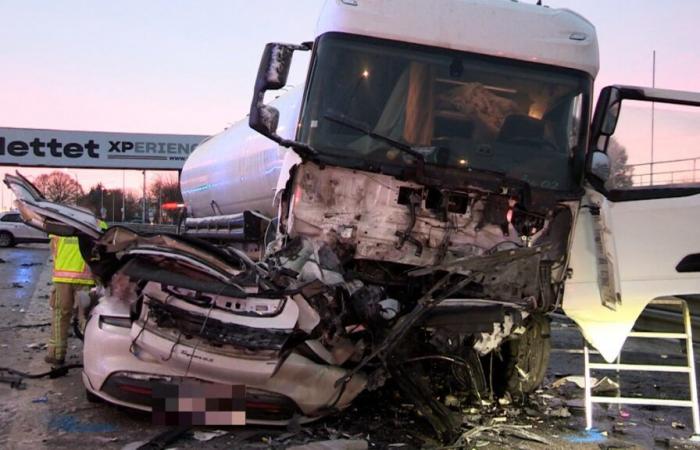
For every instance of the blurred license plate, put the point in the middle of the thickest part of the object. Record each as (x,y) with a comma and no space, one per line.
(191,404)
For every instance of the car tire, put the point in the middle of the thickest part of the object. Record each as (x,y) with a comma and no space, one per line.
(92,398)
(6,239)
(525,359)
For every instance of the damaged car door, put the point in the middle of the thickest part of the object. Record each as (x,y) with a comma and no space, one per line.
(53,218)
(637,235)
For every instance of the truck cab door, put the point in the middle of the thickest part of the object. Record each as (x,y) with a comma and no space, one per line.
(50,217)
(637,235)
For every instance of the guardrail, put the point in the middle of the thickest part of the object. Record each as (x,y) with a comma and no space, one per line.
(675,171)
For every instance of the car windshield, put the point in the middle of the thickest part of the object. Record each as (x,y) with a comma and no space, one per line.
(381,103)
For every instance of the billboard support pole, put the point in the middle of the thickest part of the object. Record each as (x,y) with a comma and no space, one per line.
(144,196)
(123,194)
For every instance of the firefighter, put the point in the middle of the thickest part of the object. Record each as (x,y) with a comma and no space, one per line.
(71,275)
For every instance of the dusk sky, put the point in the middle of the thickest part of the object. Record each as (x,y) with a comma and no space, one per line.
(188,67)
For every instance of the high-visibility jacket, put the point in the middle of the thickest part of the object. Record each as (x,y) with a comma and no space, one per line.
(69,265)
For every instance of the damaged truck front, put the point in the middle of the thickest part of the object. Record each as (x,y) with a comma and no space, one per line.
(432,186)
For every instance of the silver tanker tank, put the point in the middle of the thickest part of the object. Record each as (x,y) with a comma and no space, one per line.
(238,169)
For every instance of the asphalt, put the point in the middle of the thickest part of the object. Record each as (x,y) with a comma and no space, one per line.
(54,413)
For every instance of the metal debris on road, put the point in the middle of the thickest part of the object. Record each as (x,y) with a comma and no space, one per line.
(337,444)
(204,436)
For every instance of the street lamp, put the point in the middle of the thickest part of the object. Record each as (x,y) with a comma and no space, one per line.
(102,202)
(113,205)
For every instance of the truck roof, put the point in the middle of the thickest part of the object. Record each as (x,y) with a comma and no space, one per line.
(503,28)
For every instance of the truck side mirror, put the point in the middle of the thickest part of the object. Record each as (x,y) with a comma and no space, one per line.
(610,121)
(599,166)
(612,101)
(272,75)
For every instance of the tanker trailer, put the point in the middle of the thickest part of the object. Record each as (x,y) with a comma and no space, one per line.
(229,182)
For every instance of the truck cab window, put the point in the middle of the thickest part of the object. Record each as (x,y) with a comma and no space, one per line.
(475,112)
(659,148)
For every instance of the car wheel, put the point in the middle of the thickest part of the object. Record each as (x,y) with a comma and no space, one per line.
(525,359)
(92,398)
(6,239)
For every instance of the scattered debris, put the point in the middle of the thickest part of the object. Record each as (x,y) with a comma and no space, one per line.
(505,400)
(15,377)
(483,432)
(605,384)
(43,399)
(615,444)
(159,441)
(29,325)
(675,443)
(678,425)
(204,436)
(337,444)
(37,345)
(588,437)
(14,380)
(451,401)
(134,445)
(578,380)
(559,412)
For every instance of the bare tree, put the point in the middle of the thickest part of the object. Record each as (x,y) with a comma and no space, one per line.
(165,189)
(59,187)
(111,200)
(620,172)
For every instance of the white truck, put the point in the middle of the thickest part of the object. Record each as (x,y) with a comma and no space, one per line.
(416,209)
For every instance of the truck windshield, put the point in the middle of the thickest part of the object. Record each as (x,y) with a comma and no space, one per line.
(383,103)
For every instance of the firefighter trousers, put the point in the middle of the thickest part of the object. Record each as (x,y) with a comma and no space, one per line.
(62,302)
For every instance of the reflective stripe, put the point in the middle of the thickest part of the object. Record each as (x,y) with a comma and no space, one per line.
(67,276)
(73,281)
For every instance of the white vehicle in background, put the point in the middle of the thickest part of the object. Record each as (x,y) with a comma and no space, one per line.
(14,231)
(436,189)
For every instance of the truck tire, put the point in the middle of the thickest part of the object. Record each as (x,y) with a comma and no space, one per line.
(6,239)
(525,359)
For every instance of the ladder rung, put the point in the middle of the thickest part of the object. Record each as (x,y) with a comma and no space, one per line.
(668,301)
(642,401)
(654,335)
(574,351)
(639,367)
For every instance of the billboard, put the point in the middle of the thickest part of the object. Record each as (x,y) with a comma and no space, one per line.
(95,149)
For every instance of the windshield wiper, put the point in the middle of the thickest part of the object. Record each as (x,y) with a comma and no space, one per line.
(356,125)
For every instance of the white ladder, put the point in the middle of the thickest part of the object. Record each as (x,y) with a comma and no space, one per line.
(689,368)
